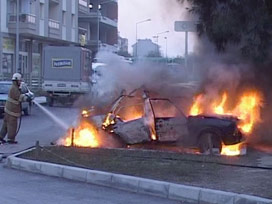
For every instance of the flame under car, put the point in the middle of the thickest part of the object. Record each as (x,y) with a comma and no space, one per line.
(159,120)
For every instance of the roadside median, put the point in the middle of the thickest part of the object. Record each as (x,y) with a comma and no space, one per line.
(135,184)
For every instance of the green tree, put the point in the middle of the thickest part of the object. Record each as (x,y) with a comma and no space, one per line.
(245,23)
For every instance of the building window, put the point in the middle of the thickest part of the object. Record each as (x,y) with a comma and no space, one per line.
(63,17)
(41,11)
(7,63)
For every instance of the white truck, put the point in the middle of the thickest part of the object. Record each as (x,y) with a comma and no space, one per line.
(66,73)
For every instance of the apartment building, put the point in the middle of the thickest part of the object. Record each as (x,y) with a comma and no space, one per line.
(122,45)
(145,47)
(53,22)
(101,24)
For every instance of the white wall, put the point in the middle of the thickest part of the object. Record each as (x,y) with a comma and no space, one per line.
(3,13)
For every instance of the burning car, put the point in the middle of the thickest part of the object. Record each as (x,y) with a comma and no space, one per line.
(138,119)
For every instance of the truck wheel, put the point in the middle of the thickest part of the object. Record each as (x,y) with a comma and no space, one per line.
(210,143)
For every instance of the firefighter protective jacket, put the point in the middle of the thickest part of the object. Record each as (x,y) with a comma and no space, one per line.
(13,104)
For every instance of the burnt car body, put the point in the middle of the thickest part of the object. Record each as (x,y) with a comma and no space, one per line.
(161,121)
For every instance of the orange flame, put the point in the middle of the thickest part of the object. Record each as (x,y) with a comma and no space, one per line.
(196,109)
(84,136)
(219,109)
(232,150)
(247,111)
(153,136)
(109,120)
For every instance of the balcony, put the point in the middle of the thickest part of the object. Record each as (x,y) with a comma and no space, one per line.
(103,46)
(54,28)
(27,23)
(92,16)
(83,7)
(54,1)
(109,21)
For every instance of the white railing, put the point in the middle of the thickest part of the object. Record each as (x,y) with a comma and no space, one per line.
(31,18)
(83,3)
(82,30)
(23,17)
(53,24)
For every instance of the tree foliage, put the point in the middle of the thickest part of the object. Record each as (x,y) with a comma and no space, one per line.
(245,23)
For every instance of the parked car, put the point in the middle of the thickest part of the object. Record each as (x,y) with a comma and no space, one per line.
(159,120)
(4,89)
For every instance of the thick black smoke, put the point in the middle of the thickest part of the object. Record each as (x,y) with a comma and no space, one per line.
(230,71)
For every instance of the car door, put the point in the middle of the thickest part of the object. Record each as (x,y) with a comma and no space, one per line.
(170,122)
(132,132)
(132,125)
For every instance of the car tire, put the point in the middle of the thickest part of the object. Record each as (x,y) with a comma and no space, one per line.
(210,143)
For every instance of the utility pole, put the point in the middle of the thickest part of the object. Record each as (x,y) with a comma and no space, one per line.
(17,68)
(1,45)
(136,44)
(158,34)
(186,26)
(186,49)
(98,27)
(166,54)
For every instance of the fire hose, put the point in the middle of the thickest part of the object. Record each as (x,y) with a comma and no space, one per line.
(20,120)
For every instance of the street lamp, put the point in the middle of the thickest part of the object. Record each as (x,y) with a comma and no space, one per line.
(157,38)
(136,49)
(166,48)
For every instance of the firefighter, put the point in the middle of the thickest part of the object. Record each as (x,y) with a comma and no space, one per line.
(13,110)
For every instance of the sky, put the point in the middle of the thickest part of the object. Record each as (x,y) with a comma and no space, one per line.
(163,14)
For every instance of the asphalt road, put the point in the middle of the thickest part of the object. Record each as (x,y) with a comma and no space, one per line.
(26,188)
(22,187)
(41,127)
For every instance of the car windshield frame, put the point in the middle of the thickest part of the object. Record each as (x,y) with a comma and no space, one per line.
(168,100)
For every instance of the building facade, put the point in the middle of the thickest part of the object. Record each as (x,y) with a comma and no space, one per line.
(51,22)
(145,48)
(122,45)
(101,24)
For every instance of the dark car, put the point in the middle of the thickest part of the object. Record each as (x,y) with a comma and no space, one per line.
(4,89)
(159,120)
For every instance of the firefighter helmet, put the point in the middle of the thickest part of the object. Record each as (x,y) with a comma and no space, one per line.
(16,77)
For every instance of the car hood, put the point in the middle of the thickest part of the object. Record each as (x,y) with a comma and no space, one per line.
(214,116)
(3,97)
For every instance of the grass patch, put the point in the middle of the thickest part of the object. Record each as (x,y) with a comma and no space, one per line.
(196,170)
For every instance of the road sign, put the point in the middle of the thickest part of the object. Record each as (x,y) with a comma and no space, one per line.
(185,26)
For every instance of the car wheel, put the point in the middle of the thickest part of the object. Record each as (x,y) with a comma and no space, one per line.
(210,143)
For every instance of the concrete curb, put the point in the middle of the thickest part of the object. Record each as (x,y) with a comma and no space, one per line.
(134,184)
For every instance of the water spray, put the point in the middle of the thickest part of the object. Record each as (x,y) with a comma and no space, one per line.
(52,116)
